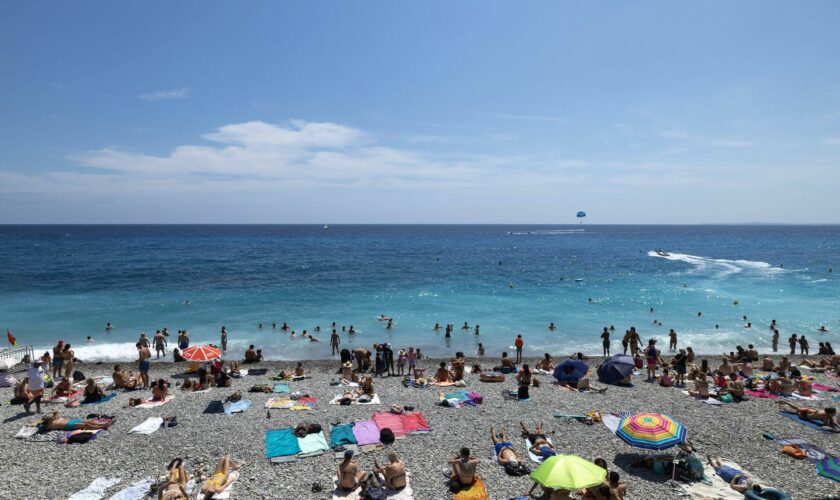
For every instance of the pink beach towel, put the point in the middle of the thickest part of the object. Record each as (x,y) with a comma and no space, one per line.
(415,422)
(821,387)
(366,433)
(761,394)
(391,421)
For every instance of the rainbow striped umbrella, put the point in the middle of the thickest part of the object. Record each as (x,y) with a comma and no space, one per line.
(652,431)
(201,353)
(829,467)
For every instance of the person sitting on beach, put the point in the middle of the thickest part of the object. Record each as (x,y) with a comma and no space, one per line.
(665,379)
(55,423)
(93,392)
(524,376)
(349,475)
(176,486)
(546,363)
(538,441)
(701,387)
(826,416)
(124,380)
(393,474)
(347,375)
(233,366)
(781,384)
(176,356)
(804,388)
(442,374)
(767,364)
(299,370)
(62,389)
(220,479)
(188,385)
(463,470)
(250,355)
(366,387)
(457,371)
(507,364)
(160,390)
(725,368)
(734,387)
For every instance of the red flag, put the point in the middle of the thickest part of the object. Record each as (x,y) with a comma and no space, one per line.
(12,339)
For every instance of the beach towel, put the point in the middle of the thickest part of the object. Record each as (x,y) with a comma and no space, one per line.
(403,494)
(712,487)
(312,445)
(135,491)
(96,489)
(461,395)
(763,394)
(234,475)
(152,404)
(257,371)
(63,399)
(103,400)
(280,389)
(26,432)
(148,426)
(821,387)
(349,384)
(476,491)
(415,423)
(800,397)
(78,437)
(809,423)
(534,457)
(342,435)
(391,421)
(281,442)
(708,401)
(281,403)
(813,453)
(236,406)
(373,401)
(366,433)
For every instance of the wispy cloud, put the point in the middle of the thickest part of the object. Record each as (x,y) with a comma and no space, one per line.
(162,95)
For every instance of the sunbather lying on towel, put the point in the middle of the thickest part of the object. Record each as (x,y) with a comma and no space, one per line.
(349,475)
(505,454)
(393,473)
(124,379)
(221,477)
(538,440)
(55,423)
(738,480)
(176,488)
(826,417)
(463,470)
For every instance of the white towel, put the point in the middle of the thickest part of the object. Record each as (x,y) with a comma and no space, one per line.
(136,491)
(234,475)
(26,432)
(796,395)
(148,426)
(96,490)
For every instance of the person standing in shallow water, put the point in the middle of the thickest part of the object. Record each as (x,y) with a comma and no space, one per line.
(803,346)
(224,339)
(775,340)
(792,341)
(672,342)
(605,336)
(519,343)
(335,342)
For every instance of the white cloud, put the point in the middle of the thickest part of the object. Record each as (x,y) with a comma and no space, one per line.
(162,95)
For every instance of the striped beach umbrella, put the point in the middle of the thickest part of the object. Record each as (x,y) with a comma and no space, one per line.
(201,353)
(829,467)
(651,431)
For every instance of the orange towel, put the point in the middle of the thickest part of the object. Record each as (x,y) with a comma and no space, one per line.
(475,492)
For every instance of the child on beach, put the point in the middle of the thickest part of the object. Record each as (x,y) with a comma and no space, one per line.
(401,360)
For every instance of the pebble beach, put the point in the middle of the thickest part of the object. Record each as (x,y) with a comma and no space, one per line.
(732,431)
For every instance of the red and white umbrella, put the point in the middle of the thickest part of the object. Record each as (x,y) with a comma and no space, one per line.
(201,353)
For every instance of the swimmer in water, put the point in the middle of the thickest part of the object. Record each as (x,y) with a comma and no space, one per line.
(90,339)
(437,327)
(699,314)
(551,327)
(476,329)
(466,326)
(351,331)
(822,328)
(259,326)
(285,327)
(109,327)
(273,325)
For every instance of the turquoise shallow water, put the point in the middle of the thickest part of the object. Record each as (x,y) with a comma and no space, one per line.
(68,281)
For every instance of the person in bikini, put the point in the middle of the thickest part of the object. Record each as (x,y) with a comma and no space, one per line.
(393,473)
(124,380)
(160,390)
(93,392)
(55,423)
(62,389)
(221,477)
(176,487)
(827,416)
(538,441)
(349,475)
(442,375)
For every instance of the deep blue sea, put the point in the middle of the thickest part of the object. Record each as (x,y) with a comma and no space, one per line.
(67,282)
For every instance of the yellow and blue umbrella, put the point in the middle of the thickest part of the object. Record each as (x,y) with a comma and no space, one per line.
(651,431)
(829,467)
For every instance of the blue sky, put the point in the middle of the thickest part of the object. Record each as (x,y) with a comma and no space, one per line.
(419,112)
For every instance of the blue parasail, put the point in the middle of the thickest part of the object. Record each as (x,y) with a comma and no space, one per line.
(581,214)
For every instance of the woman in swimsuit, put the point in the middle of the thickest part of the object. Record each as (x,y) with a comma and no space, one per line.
(55,423)
(93,392)
(221,477)
(176,488)
(160,390)
(538,441)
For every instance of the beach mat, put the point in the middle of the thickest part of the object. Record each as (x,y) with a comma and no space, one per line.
(476,491)
(280,389)
(280,403)
(281,443)
(312,445)
(152,404)
(103,400)
(813,453)
(342,435)
(257,371)
(236,406)
(373,401)
(148,426)
(96,489)
(415,423)
(403,494)
(809,423)
(366,433)
(391,421)
(708,401)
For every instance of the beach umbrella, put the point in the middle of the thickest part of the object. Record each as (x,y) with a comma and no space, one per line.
(568,472)
(201,353)
(829,467)
(576,370)
(651,431)
(615,368)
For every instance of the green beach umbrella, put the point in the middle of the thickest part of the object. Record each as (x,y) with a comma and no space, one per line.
(568,472)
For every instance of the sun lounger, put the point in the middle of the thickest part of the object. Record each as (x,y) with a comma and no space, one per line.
(366,433)
(281,443)
(152,404)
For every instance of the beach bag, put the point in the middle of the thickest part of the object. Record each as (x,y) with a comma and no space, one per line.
(794,451)
(520,470)
(386,435)
(345,401)
(727,398)
(78,376)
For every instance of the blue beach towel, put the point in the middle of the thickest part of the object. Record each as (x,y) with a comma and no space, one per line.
(462,395)
(809,423)
(341,435)
(237,407)
(103,400)
(280,389)
(281,443)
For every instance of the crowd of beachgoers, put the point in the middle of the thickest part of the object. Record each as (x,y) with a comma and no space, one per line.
(234,423)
